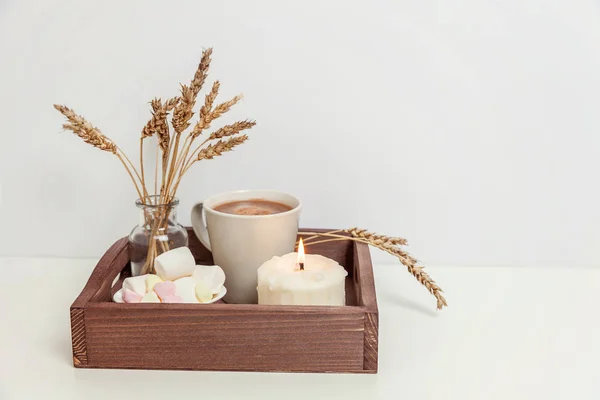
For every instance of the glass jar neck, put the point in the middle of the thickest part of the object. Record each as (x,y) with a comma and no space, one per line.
(157,214)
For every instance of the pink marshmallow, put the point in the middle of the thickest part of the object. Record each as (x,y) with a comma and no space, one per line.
(129,296)
(164,289)
(173,298)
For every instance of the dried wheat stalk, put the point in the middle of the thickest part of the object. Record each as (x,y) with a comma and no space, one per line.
(92,135)
(177,158)
(205,110)
(158,125)
(201,72)
(376,238)
(184,110)
(182,114)
(230,130)
(214,150)
(82,128)
(152,126)
(224,107)
(388,244)
(204,123)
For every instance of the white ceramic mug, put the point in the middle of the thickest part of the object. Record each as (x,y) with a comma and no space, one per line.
(242,243)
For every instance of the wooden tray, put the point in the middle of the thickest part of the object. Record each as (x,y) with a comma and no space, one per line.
(227,337)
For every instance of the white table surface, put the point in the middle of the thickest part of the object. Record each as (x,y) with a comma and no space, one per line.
(508,333)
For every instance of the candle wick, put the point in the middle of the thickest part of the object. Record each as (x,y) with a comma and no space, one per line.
(301,266)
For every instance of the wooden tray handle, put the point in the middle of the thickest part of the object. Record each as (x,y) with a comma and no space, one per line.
(110,265)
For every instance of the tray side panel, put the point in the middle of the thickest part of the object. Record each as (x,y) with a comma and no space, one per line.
(242,340)
(371,342)
(363,276)
(78,340)
(365,287)
(98,286)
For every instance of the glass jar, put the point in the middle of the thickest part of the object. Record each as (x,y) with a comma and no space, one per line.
(157,232)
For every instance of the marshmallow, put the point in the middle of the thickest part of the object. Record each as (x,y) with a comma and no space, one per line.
(150,297)
(131,297)
(211,276)
(175,263)
(164,289)
(152,280)
(173,299)
(118,296)
(136,284)
(203,293)
(186,289)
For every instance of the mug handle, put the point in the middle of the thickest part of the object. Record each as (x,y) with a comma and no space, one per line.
(199,226)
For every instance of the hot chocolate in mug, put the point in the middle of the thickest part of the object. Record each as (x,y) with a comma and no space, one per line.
(243,229)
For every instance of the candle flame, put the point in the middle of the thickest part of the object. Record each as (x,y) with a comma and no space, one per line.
(301,252)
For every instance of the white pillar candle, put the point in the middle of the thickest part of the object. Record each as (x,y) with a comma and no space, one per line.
(321,282)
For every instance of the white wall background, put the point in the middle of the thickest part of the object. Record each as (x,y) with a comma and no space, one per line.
(470,127)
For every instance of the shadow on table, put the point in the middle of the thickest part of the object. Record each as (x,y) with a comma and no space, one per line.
(398,300)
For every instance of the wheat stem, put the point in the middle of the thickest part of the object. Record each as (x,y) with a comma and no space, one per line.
(142,163)
(211,151)
(184,169)
(180,162)
(144,191)
(328,234)
(316,235)
(130,174)
(323,241)
(156,174)
(172,162)
(331,235)
(188,163)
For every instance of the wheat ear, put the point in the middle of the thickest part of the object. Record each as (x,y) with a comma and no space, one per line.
(156,125)
(230,130)
(388,244)
(204,123)
(211,151)
(200,125)
(222,146)
(182,114)
(92,135)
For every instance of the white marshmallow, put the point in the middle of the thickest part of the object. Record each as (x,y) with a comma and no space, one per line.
(150,297)
(211,276)
(186,289)
(136,284)
(118,296)
(152,280)
(203,293)
(175,263)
